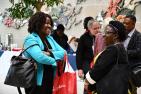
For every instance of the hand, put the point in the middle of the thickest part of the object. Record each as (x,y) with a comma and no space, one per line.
(85,87)
(86,83)
(80,73)
(47,53)
(54,64)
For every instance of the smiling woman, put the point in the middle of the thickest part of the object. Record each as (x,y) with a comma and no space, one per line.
(46,53)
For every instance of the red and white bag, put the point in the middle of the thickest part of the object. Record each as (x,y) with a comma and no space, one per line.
(66,82)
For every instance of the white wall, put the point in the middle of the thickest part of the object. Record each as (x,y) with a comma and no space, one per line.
(90,8)
(18,34)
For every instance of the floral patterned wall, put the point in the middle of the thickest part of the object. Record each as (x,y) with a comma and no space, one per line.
(73,22)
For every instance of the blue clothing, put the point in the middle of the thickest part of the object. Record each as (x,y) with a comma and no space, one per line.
(1,52)
(36,52)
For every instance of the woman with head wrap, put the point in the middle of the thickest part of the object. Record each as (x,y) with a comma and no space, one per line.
(114,51)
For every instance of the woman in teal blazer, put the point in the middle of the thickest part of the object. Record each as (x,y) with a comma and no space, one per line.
(39,27)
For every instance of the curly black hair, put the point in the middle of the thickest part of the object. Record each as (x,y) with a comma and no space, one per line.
(37,21)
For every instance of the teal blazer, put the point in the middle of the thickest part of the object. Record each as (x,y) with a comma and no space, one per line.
(36,53)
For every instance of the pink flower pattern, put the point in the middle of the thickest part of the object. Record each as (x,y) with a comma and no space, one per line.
(112,9)
(8,21)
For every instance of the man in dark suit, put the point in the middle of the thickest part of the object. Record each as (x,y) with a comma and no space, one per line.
(132,44)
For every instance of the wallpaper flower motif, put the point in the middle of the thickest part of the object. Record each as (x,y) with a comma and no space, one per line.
(8,21)
(66,15)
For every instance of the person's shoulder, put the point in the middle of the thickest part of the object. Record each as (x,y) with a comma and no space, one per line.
(31,39)
(111,47)
(65,35)
(29,36)
(84,35)
(110,50)
(49,36)
(53,33)
(137,32)
(32,36)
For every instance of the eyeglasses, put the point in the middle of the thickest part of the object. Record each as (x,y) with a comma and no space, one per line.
(110,32)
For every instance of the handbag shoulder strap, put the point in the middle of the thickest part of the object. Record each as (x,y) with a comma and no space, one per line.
(27,48)
(19,90)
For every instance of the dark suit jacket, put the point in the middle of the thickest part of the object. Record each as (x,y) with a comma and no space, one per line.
(134,48)
(106,60)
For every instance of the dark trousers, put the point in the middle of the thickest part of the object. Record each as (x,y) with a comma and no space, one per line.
(47,83)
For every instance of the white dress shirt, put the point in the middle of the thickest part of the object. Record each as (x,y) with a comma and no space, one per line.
(126,42)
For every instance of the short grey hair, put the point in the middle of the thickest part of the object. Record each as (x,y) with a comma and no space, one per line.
(90,23)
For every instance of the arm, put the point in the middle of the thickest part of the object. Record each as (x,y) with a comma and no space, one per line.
(37,54)
(79,58)
(79,54)
(57,51)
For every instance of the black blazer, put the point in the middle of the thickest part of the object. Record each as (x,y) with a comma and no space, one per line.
(116,83)
(106,60)
(84,53)
(134,48)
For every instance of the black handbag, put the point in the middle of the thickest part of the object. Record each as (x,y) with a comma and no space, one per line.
(136,74)
(22,71)
(115,81)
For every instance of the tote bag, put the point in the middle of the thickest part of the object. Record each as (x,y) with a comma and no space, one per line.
(66,82)
(22,71)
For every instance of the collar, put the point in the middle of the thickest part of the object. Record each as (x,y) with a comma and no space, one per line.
(35,34)
(131,33)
